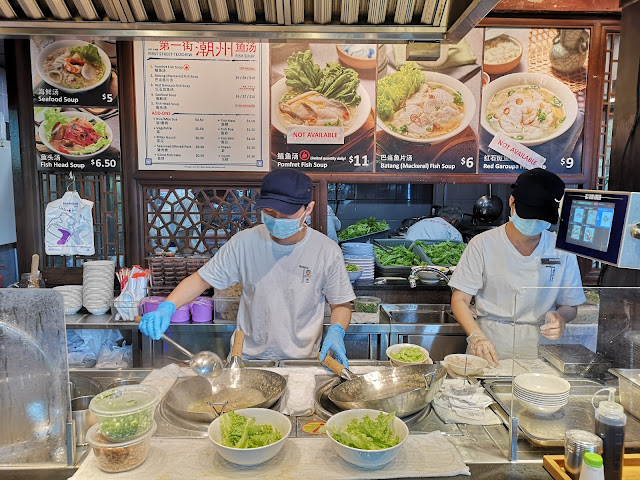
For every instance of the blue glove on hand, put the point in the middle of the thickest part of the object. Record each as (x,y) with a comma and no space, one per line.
(334,340)
(154,324)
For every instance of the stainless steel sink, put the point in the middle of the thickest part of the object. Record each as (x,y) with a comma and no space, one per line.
(418,313)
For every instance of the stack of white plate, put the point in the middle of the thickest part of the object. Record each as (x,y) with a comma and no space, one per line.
(97,283)
(541,393)
(72,295)
(361,255)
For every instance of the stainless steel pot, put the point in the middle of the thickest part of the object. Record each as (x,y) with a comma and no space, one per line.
(403,390)
(83,417)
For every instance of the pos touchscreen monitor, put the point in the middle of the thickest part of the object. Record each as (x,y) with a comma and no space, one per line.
(600,225)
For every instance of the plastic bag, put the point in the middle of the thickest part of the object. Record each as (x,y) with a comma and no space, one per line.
(69,226)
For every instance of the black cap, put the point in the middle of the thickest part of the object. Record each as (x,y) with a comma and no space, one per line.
(538,194)
(285,191)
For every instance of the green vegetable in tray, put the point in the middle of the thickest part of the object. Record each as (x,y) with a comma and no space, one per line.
(394,89)
(368,434)
(351,267)
(365,307)
(239,431)
(123,427)
(363,227)
(444,253)
(334,81)
(409,355)
(399,256)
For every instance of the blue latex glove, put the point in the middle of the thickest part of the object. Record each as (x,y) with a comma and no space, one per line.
(334,340)
(154,324)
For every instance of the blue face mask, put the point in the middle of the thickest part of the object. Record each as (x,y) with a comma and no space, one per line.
(528,227)
(281,227)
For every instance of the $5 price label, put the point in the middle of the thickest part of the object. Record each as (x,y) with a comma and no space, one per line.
(107,97)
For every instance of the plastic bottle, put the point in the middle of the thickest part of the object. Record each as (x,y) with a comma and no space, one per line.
(610,425)
(592,467)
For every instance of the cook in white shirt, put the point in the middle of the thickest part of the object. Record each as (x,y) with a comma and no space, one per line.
(286,269)
(440,228)
(499,263)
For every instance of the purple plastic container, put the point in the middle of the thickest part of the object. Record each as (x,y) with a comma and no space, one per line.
(149,304)
(202,310)
(182,315)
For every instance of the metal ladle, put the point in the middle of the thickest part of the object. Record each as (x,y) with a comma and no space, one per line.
(205,363)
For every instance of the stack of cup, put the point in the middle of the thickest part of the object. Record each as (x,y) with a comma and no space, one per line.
(97,285)
(72,296)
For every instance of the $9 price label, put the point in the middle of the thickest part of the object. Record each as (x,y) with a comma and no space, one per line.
(566,162)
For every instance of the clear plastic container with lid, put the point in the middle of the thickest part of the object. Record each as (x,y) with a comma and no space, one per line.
(366,304)
(122,456)
(125,412)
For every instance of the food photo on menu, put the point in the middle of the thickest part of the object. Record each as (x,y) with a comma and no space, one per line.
(427,118)
(534,86)
(322,86)
(74,72)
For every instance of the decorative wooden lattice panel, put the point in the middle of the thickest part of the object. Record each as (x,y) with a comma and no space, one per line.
(608,101)
(196,220)
(105,191)
(540,43)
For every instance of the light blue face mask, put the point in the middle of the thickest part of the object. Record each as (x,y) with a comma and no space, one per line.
(528,227)
(281,227)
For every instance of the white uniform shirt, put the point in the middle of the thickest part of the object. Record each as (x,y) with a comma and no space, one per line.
(284,288)
(436,228)
(492,269)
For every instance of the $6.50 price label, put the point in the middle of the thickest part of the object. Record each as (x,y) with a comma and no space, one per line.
(104,163)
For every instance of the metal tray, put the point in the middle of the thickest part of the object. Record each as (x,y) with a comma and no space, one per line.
(364,238)
(396,270)
(548,431)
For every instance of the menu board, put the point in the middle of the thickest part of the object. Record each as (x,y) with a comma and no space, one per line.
(204,105)
(75,98)
(534,94)
(427,115)
(322,107)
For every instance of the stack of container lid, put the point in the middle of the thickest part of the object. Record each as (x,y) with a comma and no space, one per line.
(361,255)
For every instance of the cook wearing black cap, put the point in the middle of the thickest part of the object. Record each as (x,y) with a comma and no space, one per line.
(499,263)
(286,269)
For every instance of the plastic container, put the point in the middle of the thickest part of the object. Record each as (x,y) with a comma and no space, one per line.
(125,412)
(150,304)
(395,349)
(182,315)
(576,444)
(121,456)
(592,467)
(225,309)
(367,304)
(610,426)
(629,383)
(202,310)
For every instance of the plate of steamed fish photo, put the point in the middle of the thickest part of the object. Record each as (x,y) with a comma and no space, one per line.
(311,95)
(531,108)
(73,66)
(423,107)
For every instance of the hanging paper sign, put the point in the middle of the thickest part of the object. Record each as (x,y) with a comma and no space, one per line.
(69,226)
(517,152)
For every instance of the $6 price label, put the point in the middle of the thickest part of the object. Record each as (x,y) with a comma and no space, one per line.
(467,162)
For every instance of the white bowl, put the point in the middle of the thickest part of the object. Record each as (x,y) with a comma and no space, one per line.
(75,114)
(542,383)
(361,112)
(398,363)
(431,277)
(365,458)
(469,111)
(554,85)
(456,361)
(252,456)
(540,409)
(353,276)
(71,43)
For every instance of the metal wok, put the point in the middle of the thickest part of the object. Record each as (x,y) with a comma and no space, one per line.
(403,390)
(239,387)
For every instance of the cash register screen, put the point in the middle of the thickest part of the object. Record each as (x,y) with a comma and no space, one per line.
(589,224)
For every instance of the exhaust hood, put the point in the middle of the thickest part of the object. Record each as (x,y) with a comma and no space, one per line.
(384,21)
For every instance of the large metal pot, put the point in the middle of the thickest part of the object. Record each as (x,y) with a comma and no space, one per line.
(403,390)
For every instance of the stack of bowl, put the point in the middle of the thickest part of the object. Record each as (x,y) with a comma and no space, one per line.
(541,393)
(72,296)
(361,255)
(125,425)
(97,283)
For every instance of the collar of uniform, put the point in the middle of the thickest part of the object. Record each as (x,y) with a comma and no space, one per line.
(534,255)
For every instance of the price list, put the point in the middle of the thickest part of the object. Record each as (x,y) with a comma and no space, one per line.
(204,105)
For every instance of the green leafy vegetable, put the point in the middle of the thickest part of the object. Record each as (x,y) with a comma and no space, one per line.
(239,431)
(404,129)
(394,89)
(363,227)
(88,52)
(52,117)
(368,434)
(443,253)
(409,355)
(334,81)
(398,256)
(541,115)
(351,267)
(556,102)
(457,99)
(123,427)
(365,306)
